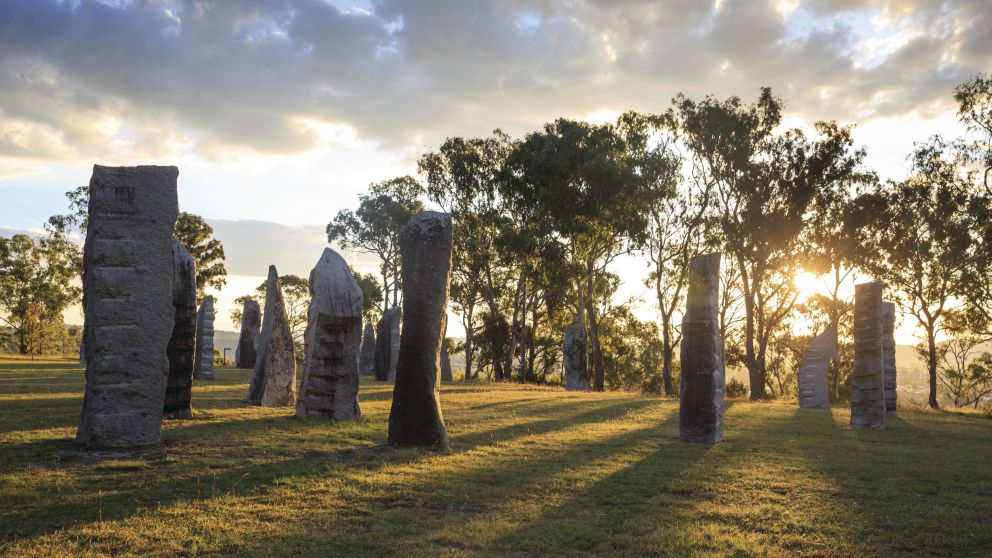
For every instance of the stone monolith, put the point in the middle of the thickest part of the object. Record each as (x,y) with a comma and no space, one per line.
(867,377)
(814,393)
(329,388)
(889,356)
(385,346)
(203,366)
(273,382)
(574,358)
(446,375)
(701,355)
(127,303)
(425,247)
(366,355)
(182,344)
(251,323)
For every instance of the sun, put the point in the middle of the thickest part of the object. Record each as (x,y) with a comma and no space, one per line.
(809,284)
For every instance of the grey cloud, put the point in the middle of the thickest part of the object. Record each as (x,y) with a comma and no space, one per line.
(241,73)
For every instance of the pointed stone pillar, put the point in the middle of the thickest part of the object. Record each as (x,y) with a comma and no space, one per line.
(182,344)
(868,377)
(127,302)
(701,355)
(251,323)
(814,392)
(203,366)
(329,388)
(273,383)
(889,356)
(366,359)
(574,358)
(415,418)
(385,345)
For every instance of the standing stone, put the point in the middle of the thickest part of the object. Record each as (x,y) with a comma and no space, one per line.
(127,302)
(425,247)
(203,367)
(251,321)
(82,354)
(574,358)
(331,344)
(814,393)
(889,356)
(273,383)
(446,375)
(366,358)
(388,326)
(701,356)
(182,344)
(868,378)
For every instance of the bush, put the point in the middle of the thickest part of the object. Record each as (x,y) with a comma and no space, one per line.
(736,388)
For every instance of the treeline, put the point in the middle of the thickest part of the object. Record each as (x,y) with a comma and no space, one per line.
(540,219)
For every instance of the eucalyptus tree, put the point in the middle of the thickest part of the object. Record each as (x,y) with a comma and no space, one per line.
(586,186)
(974,99)
(374,228)
(764,183)
(918,238)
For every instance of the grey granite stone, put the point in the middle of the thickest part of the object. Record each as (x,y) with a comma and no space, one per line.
(701,355)
(814,393)
(182,344)
(867,378)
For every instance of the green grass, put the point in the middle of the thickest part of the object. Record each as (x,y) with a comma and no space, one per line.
(532,472)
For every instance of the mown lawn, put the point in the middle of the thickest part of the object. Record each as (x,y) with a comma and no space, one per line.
(532,472)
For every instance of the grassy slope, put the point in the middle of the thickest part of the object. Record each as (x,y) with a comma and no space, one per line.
(533,471)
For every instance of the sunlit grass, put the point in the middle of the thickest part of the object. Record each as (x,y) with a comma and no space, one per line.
(533,471)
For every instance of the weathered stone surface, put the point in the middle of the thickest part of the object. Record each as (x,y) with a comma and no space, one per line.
(415,417)
(701,355)
(867,378)
(127,301)
(273,383)
(385,344)
(251,323)
(814,393)
(182,344)
(329,388)
(574,358)
(446,375)
(889,356)
(366,356)
(203,366)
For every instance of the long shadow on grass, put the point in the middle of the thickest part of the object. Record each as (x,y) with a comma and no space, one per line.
(113,495)
(411,518)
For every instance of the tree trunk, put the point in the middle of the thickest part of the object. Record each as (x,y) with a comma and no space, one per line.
(932,365)
(514,324)
(666,362)
(755,369)
(523,334)
(468,341)
(597,351)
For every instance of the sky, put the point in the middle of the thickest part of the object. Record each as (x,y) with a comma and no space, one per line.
(278,113)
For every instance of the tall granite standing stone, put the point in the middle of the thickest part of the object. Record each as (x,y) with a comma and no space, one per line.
(701,356)
(868,377)
(387,328)
(273,383)
(574,358)
(814,393)
(127,302)
(415,417)
(203,366)
(251,322)
(366,357)
(329,388)
(889,356)
(446,375)
(182,344)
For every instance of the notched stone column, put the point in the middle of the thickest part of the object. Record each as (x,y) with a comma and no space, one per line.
(334,331)
(128,304)
(701,355)
(273,383)
(203,367)
(386,346)
(251,322)
(814,393)
(415,417)
(182,344)
(867,378)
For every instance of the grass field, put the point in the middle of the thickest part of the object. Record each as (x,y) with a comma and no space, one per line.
(532,472)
